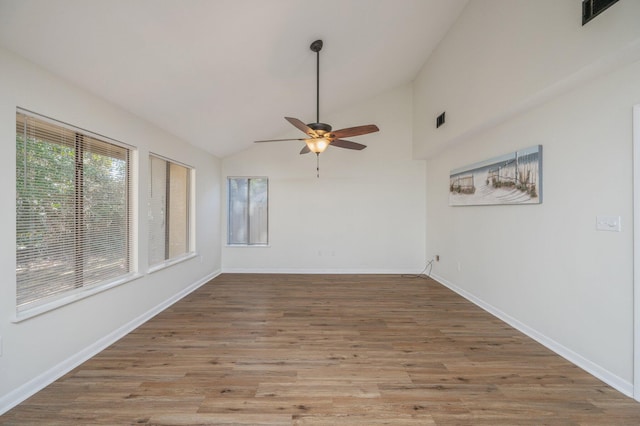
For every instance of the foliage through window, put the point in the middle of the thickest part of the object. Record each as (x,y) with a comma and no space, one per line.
(169,198)
(248,211)
(73,210)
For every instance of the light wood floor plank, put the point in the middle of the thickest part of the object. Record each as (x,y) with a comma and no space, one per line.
(249,349)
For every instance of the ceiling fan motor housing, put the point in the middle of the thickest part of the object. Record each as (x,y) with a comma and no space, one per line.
(320,128)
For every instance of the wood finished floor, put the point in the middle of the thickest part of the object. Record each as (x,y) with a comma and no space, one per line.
(326,350)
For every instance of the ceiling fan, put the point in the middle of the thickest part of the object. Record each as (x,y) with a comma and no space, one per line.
(320,135)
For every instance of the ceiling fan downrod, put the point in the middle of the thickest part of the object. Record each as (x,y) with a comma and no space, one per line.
(316,46)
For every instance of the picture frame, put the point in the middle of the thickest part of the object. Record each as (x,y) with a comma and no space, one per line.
(513,178)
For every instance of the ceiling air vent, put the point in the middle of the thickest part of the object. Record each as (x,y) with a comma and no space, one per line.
(592,8)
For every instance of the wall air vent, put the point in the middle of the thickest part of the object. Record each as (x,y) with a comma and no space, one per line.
(592,8)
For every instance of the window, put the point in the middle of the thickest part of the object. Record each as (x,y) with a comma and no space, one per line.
(73,212)
(169,210)
(248,211)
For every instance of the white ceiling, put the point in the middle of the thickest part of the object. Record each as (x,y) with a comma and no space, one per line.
(223,73)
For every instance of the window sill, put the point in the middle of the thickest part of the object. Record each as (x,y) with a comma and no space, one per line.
(171,262)
(248,246)
(70,298)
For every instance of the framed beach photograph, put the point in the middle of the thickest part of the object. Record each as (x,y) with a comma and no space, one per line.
(514,178)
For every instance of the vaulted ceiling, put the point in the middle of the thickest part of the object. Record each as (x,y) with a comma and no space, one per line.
(223,73)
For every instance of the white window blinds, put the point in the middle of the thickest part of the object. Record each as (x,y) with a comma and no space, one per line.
(73,212)
(169,210)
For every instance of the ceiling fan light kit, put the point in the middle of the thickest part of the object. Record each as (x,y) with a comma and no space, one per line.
(320,135)
(317,145)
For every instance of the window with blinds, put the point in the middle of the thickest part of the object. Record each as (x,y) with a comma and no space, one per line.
(169,210)
(73,212)
(248,209)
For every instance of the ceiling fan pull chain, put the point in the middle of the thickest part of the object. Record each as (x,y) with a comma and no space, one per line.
(317,164)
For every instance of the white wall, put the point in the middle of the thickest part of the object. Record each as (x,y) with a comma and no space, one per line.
(512,74)
(504,56)
(36,350)
(364,214)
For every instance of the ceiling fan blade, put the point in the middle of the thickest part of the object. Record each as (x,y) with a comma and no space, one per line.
(354,131)
(305,150)
(278,140)
(300,125)
(341,143)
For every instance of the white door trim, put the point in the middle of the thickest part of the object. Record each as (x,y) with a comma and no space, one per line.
(636,252)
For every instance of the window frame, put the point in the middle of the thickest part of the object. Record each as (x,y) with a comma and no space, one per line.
(190,251)
(248,219)
(80,287)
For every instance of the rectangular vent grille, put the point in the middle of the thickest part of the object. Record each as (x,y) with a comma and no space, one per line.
(592,8)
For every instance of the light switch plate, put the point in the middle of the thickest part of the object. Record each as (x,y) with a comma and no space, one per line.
(608,223)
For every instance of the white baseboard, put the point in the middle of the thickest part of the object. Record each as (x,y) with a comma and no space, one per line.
(590,367)
(38,383)
(317,271)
